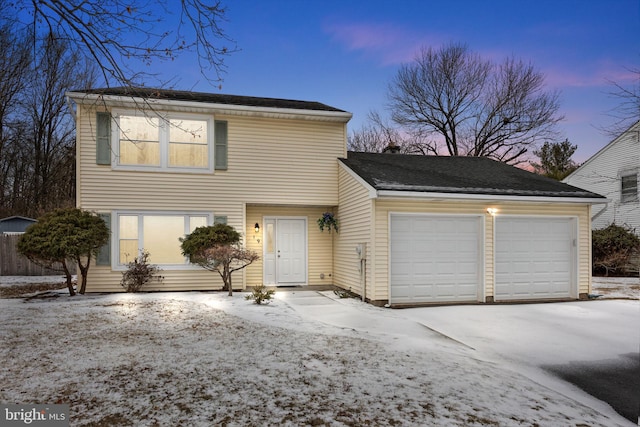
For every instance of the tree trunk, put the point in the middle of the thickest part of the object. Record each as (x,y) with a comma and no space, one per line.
(228,274)
(68,276)
(83,272)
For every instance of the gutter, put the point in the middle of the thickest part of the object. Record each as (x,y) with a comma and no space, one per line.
(488,197)
(118,100)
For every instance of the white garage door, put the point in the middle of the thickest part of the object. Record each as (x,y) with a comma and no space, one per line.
(535,258)
(434,258)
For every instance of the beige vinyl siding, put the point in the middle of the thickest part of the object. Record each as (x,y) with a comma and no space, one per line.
(385,206)
(102,279)
(270,161)
(355,216)
(319,244)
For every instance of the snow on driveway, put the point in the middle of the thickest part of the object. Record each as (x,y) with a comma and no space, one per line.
(541,334)
(200,359)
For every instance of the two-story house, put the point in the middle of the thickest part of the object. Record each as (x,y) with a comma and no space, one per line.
(614,172)
(156,164)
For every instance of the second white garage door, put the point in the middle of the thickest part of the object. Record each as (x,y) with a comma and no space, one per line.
(535,258)
(434,258)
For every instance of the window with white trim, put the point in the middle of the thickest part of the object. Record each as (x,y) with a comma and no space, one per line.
(157,233)
(178,142)
(629,188)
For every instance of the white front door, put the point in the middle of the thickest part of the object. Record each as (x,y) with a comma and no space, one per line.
(285,251)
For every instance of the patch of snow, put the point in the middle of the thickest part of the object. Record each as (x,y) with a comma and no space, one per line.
(308,358)
(616,287)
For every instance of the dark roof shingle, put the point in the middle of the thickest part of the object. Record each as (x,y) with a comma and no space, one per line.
(455,174)
(215,98)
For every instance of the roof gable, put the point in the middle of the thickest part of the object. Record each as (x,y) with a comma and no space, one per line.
(455,174)
(633,128)
(18,218)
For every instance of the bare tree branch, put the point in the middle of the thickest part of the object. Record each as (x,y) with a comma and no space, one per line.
(627,112)
(122,36)
(473,106)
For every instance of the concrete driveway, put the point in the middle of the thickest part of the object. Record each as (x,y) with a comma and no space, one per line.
(593,345)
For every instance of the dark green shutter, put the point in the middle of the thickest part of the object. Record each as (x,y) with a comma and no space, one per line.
(222,219)
(104,253)
(221,145)
(103,138)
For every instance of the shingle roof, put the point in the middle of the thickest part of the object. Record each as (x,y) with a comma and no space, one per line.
(215,98)
(449,174)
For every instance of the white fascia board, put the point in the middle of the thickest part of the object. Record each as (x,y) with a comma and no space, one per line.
(373,194)
(488,197)
(120,100)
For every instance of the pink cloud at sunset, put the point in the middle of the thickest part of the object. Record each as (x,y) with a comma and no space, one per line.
(388,44)
(599,76)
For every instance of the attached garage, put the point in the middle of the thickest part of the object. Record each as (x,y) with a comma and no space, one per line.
(435,258)
(535,258)
(455,229)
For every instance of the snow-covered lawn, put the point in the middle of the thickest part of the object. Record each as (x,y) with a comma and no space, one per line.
(306,359)
(616,287)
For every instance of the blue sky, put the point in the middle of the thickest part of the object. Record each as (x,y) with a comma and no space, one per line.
(344,53)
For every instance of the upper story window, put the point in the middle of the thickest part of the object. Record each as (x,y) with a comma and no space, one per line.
(173,142)
(629,188)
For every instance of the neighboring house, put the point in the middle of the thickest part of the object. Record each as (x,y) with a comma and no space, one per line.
(156,164)
(12,263)
(15,224)
(614,172)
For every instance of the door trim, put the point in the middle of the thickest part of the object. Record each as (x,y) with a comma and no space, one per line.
(275,219)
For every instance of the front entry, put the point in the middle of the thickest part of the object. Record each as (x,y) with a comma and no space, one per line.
(285,251)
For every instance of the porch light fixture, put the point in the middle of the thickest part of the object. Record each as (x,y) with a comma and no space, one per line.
(257,228)
(492,211)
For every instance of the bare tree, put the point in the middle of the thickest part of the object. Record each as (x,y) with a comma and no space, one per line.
(123,37)
(37,162)
(378,135)
(374,136)
(52,132)
(471,106)
(628,110)
(15,57)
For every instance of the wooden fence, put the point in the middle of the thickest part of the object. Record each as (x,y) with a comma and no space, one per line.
(14,264)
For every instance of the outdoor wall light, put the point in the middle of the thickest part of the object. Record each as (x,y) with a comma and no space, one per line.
(492,211)
(257,227)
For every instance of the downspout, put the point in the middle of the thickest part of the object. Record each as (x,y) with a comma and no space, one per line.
(71,109)
(363,278)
